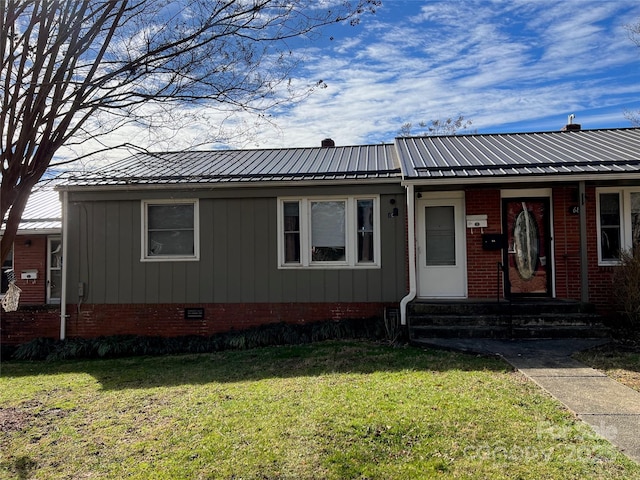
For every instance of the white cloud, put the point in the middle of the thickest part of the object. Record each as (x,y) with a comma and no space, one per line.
(505,65)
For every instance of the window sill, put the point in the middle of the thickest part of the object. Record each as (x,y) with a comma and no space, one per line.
(170,259)
(330,267)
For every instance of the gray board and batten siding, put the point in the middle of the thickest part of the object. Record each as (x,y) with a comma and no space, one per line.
(238,250)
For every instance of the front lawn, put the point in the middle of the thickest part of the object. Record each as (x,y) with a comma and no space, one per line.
(334,410)
(619,363)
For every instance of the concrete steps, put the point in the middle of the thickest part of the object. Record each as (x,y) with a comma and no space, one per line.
(491,319)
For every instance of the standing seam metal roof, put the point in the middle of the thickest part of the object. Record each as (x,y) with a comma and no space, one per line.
(464,156)
(586,151)
(238,166)
(43,210)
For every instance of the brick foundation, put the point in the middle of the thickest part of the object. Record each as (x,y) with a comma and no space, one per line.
(168,320)
(29,322)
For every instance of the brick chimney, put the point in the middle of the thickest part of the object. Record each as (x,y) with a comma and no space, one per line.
(570,126)
(327,143)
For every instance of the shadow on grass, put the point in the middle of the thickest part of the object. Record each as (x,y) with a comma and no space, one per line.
(615,355)
(317,359)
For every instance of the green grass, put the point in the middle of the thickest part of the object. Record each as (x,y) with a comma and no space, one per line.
(334,410)
(620,364)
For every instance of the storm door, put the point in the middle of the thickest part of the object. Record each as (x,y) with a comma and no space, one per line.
(441,247)
(527,260)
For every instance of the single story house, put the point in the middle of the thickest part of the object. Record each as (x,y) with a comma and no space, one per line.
(202,242)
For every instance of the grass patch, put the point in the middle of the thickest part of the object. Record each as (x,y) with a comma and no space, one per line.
(333,410)
(618,363)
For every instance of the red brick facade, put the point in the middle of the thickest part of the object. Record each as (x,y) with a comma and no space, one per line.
(482,265)
(168,320)
(566,230)
(29,323)
(30,253)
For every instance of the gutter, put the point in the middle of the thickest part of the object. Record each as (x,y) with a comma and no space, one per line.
(521,178)
(65,249)
(411,245)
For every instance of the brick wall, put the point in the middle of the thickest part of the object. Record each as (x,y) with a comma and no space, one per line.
(482,271)
(30,253)
(566,231)
(482,265)
(168,320)
(29,322)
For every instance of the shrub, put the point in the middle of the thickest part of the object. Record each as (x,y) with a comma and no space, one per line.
(626,280)
(264,335)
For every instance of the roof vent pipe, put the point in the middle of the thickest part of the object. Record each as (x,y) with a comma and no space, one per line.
(327,143)
(570,126)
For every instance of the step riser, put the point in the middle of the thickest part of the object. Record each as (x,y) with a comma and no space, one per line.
(523,319)
(505,333)
(483,320)
(494,308)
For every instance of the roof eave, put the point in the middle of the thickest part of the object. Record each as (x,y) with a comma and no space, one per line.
(228,185)
(416,181)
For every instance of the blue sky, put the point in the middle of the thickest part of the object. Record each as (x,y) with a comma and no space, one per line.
(507,66)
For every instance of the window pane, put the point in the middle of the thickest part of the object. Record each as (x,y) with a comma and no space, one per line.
(440,235)
(55,262)
(174,242)
(328,231)
(170,217)
(55,270)
(365,230)
(291,232)
(635,218)
(171,230)
(609,225)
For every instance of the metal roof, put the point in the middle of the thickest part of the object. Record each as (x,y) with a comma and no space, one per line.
(43,211)
(247,166)
(502,155)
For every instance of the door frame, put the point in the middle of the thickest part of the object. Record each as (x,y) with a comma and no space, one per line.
(525,195)
(457,200)
(50,267)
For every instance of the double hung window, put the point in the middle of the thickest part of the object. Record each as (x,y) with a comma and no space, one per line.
(618,222)
(328,231)
(170,230)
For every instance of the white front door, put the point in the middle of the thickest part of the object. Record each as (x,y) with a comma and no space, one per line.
(441,256)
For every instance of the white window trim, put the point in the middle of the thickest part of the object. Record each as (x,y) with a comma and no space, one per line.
(625,220)
(351,248)
(51,268)
(196,231)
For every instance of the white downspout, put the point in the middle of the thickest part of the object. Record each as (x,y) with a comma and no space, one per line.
(65,243)
(411,245)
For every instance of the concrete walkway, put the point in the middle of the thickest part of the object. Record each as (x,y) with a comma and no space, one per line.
(612,409)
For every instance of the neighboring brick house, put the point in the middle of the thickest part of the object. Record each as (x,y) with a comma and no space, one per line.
(36,264)
(202,242)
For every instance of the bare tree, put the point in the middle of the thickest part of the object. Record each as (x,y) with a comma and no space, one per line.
(73,70)
(634,35)
(438,127)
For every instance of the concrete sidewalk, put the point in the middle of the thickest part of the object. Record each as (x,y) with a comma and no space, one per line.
(612,409)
